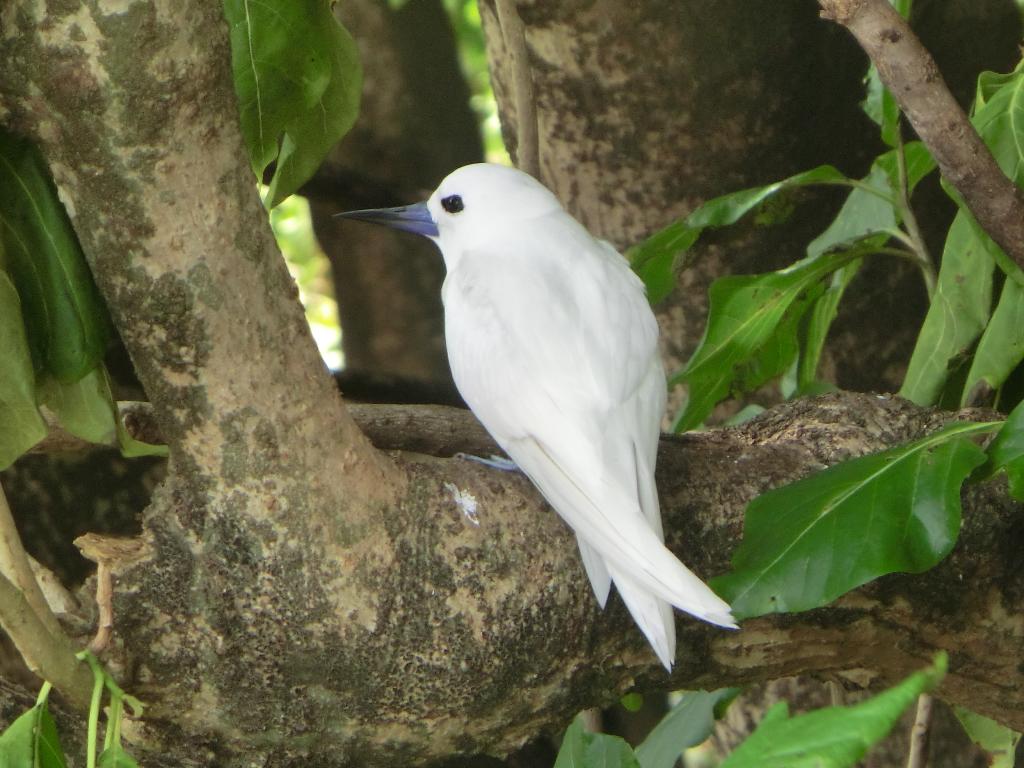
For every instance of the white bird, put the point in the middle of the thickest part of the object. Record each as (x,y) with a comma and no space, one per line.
(553,346)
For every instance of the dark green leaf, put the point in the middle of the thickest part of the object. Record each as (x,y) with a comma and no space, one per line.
(998,116)
(298,80)
(835,736)
(1007,453)
(114,756)
(1001,348)
(999,741)
(655,258)
(871,208)
(686,725)
(604,751)
(64,315)
(85,408)
(23,427)
(49,753)
(745,315)
(809,542)
(31,741)
(581,749)
(958,313)
(817,323)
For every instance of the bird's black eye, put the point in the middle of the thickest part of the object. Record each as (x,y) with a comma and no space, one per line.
(452,203)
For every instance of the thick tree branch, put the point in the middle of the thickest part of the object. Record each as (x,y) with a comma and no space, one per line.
(910,73)
(507,606)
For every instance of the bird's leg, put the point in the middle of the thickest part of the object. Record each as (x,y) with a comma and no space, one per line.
(493,461)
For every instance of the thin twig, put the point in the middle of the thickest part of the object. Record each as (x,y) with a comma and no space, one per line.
(105,604)
(924,259)
(919,735)
(14,565)
(913,78)
(49,656)
(513,32)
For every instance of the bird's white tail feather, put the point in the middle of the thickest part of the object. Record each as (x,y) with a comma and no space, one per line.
(597,571)
(653,615)
(623,539)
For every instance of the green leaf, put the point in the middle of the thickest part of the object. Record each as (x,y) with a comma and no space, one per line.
(65,317)
(686,725)
(581,749)
(23,426)
(85,408)
(741,340)
(958,313)
(1001,348)
(871,207)
(809,542)
(998,116)
(817,323)
(48,751)
(298,80)
(655,259)
(999,741)
(833,737)
(1006,452)
(31,741)
(114,756)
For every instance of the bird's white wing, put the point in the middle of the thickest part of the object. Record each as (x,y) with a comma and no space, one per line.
(554,348)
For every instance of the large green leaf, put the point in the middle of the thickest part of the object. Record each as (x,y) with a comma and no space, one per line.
(817,323)
(834,737)
(298,81)
(962,302)
(958,313)
(655,259)
(582,749)
(998,116)
(31,741)
(64,315)
(21,426)
(746,311)
(809,542)
(1001,348)
(1006,452)
(85,408)
(686,725)
(871,207)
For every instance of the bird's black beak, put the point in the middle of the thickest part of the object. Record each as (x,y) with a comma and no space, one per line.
(408,218)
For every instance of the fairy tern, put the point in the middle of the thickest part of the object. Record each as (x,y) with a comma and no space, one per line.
(553,346)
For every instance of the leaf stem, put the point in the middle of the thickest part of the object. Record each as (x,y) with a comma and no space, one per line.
(923,258)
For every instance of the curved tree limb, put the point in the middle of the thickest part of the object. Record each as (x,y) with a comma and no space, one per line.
(911,75)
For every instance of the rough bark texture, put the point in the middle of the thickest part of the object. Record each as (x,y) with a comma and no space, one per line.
(414,127)
(472,637)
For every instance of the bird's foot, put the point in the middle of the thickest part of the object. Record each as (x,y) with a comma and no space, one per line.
(494,462)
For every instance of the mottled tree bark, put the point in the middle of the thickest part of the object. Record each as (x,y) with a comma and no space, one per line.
(415,126)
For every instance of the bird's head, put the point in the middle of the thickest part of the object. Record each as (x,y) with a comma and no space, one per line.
(471,204)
